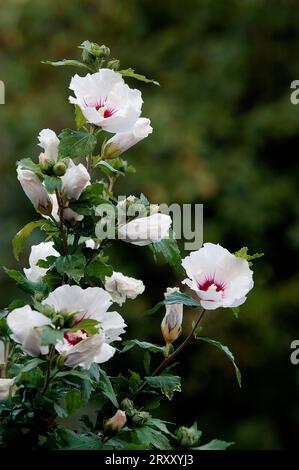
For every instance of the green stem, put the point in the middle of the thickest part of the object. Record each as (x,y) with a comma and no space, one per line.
(48,372)
(169,358)
(6,354)
(61,227)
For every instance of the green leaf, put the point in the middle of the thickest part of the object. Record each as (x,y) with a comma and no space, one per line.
(150,437)
(131,73)
(79,117)
(80,374)
(154,309)
(74,441)
(52,183)
(61,412)
(134,381)
(73,401)
(32,364)
(22,281)
(181,298)
(236,311)
(18,242)
(106,388)
(90,326)
(68,62)
(76,143)
(144,200)
(28,164)
(168,384)
(97,268)
(17,303)
(169,248)
(243,253)
(226,351)
(90,198)
(47,263)
(215,444)
(71,265)
(50,335)
(108,166)
(131,343)
(159,424)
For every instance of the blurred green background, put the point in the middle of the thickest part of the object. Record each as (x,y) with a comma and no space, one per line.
(225,135)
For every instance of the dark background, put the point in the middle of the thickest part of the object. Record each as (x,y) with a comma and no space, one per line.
(225,135)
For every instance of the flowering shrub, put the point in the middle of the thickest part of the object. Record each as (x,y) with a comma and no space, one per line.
(57,344)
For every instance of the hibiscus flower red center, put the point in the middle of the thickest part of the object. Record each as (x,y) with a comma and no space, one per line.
(211,284)
(102,108)
(75,337)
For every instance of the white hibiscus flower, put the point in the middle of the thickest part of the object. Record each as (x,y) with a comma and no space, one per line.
(219,278)
(106,101)
(91,303)
(123,287)
(145,230)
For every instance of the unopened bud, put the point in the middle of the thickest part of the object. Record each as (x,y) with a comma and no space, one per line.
(171,325)
(45,210)
(116,423)
(46,164)
(113,64)
(101,51)
(38,296)
(139,418)
(42,159)
(59,320)
(154,209)
(188,437)
(127,405)
(60,361)
(59,168)
(111,151)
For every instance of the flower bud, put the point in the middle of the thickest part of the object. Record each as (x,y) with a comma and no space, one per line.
(59,168)
(100,51)
(188,437)
(171,325)
(75,180)
(46,164)
(113,64)
(116,423)
(127,405)
(111,151)
(42,159)
(35,191)
(38,296)
(59,320)
(139,418)
(92,51)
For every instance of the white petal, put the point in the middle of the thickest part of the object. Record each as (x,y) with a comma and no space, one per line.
(24,323)
(34,189)
(75,181)
(145,230)
(91,302)
(106,90)
(49,141)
